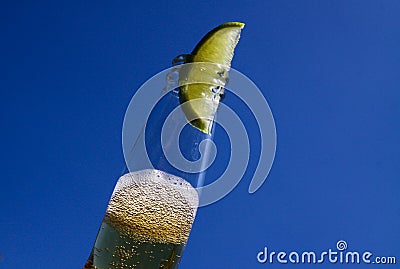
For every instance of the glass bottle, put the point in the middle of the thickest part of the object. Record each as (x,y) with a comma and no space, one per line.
(152,209)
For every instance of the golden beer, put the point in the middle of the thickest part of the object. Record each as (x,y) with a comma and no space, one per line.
(147,222)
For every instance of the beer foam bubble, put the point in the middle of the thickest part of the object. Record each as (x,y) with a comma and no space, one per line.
(153,206)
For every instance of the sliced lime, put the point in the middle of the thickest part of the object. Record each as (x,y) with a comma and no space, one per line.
(202,84)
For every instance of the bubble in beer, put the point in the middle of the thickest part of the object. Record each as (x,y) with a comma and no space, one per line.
(147,222)
(153,206)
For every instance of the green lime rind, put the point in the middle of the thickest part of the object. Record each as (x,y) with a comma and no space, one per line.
(213,31)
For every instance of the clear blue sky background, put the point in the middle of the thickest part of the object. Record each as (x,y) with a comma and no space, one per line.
(329,70)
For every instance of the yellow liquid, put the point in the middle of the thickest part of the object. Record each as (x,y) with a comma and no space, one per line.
(147,222)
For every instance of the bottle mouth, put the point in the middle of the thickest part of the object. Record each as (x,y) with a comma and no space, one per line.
(185,71)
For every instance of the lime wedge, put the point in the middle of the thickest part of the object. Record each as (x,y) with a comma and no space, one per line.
(207,75)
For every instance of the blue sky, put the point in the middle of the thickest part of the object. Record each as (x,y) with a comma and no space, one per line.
(329,70)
